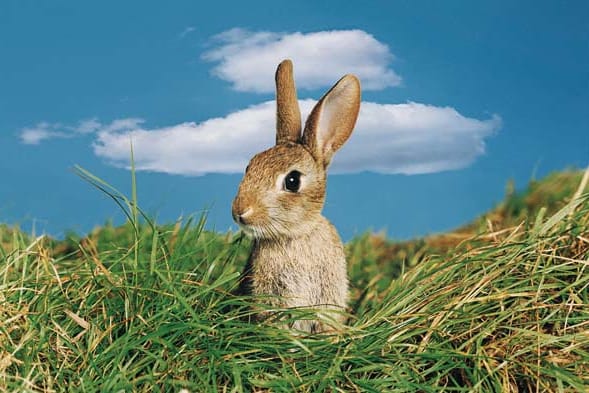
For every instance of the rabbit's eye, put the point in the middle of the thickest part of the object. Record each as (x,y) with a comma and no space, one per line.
(292,181)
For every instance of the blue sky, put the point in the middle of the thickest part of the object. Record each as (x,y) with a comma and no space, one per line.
(459,97)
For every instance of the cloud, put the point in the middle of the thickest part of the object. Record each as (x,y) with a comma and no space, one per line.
(186,31)
(87,126)
(40,132)
(45,130)
(405,138)
(248,59)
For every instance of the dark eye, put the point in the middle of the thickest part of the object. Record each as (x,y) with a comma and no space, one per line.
(292,181)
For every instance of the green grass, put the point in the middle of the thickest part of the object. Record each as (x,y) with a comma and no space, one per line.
(147,307)
(390,258)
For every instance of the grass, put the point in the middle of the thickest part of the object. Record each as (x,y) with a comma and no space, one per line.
(389,258)
(147,307)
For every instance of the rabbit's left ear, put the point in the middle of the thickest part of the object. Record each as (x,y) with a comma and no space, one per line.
(331,122)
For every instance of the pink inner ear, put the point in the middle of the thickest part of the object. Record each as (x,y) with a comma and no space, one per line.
(333,118)
(325,131)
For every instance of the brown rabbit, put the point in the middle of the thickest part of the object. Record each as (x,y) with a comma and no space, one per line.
(297,257)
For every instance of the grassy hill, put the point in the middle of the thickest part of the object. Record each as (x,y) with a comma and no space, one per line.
(517,211)
(500,304)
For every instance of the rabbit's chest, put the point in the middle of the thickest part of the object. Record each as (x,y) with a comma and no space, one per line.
(282,275)
(303,276)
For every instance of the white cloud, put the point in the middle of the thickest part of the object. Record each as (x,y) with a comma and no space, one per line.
(248,59)
(44,130)
(221,145)
(406,138)
(40,132)
(87,126)
(121,125)
(186,31)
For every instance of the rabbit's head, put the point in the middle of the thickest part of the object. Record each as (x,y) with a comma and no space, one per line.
(283,189)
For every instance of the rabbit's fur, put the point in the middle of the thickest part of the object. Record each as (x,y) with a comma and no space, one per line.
(297,257)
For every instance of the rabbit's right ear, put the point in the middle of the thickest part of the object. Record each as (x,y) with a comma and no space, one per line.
(332,120)
(288,114)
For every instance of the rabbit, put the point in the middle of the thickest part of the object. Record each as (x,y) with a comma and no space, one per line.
(297,258)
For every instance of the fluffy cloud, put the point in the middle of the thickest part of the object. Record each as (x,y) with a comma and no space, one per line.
(248,59)
(44,130)
(40,132)
(406,138)
(403,138)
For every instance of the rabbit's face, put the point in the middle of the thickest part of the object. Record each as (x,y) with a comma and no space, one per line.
(281,193)
(283,189)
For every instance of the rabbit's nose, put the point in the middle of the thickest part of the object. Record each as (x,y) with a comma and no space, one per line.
(242,218)
(239,214)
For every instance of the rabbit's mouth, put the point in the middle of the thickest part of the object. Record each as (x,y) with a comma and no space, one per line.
(253,231)
(268,232)
(249,230)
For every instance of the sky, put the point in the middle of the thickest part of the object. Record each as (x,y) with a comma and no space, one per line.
(458,98)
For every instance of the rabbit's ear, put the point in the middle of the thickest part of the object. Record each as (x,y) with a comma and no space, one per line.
(331,122)
(288,114)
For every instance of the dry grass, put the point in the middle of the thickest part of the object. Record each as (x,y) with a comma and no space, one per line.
(148,308)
